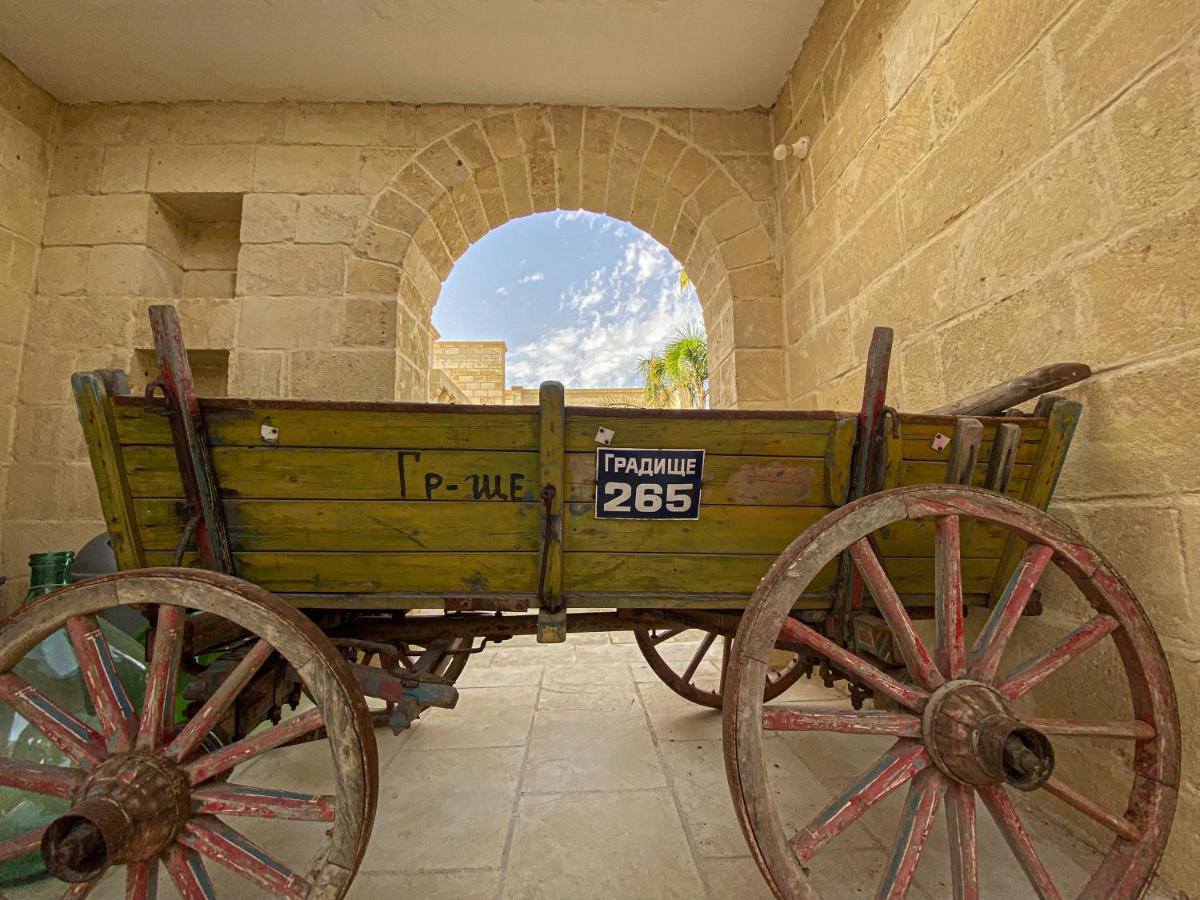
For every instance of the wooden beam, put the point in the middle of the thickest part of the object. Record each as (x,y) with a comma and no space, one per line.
(92,400)
(994,400)
(552,615)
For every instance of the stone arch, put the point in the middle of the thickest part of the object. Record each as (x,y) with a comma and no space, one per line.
(481,168)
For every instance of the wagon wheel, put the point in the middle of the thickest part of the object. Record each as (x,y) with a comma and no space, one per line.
(688,676)
(144,792)
(956,733)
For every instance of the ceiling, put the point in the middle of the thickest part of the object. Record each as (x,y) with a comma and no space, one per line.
(729,54)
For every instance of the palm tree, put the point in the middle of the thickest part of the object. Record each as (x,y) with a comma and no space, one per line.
(678,376)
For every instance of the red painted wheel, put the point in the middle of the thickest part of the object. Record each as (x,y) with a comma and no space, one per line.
(957,730)
(695,676)
(146,790)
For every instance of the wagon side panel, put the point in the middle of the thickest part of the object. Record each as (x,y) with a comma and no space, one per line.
(354,505)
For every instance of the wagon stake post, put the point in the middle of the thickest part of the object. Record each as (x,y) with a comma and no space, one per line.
(190,437)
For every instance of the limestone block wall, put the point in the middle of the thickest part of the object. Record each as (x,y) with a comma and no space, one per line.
(1009,183)
(477,367)
(28,122)
(517,396)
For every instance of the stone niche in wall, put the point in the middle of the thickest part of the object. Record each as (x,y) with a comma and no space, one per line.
(207,229)
(210,371)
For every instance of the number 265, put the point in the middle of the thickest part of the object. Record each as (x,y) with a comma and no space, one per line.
(648,498)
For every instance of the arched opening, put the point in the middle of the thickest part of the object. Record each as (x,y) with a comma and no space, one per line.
(575,297)
(482,168)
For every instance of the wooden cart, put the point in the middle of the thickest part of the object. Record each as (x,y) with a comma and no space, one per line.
(295,557)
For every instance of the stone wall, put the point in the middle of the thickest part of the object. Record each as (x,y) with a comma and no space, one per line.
(28,121)
(477,367)
(518,396)
(1009,183)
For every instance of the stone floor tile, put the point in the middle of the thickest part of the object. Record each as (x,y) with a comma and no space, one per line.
(626,844)
(696,770)
(500,676)
(589,696)
(539,655)
(605,654)
(473,884)
(589,673)
(677,719)
(484,717)
(591,750)
(444,809)
(734,878)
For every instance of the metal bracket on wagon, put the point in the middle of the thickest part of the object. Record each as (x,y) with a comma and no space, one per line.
(409,692)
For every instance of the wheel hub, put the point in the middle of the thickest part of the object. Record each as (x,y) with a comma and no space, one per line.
(130,808)
(973,737)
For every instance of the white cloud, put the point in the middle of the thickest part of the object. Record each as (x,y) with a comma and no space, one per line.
(532,278)
(502,291)
(613,317)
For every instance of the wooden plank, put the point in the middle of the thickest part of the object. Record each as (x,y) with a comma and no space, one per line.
(749,530)
(920,472)
(1003,458)
(93,404)
(918,439)
(753,436)
(728,480)
(724,574)
(353,525)
(315,474)
(964,451)
(552,465)
(839,456)
(403,426)
(720,529)
(441,574)
(1061,421)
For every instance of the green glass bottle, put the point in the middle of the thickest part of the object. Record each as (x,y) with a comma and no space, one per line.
(51,667)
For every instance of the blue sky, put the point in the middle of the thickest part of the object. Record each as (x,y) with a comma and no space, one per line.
(578,298)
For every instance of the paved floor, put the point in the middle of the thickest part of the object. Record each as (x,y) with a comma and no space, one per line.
(570,771)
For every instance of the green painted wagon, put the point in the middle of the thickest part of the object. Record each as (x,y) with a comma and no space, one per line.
(295,558)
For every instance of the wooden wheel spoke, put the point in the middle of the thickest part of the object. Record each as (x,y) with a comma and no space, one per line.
(213,838)
(726,643)
(1001,808)
(844,721)
(892,770)
(242,800)
(80,889)
(1130,729)
(948,597)
(1033,671)
(1119,825)
(656,639)
(21,844)
(698,656)
(158,710)
(795,632)
(920,809)
(989,648)
(213,764)
(118,720)
(141,880)
(52,781)
(964,844)
(214,707)
(79,741)
(187,871)
(916,658)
